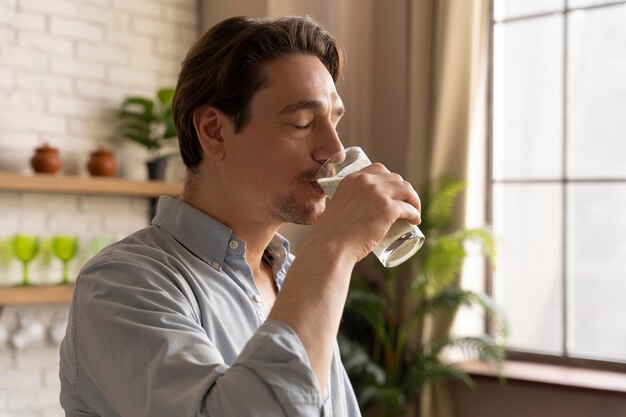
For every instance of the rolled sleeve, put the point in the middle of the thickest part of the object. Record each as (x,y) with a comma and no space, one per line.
(277,356)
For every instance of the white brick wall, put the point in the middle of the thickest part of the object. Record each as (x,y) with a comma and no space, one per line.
(69,63)
(65,67)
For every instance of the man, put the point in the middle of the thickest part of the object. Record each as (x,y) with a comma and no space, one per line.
(205,312)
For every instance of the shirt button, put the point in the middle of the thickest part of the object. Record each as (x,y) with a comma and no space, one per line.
(233,244)
(256,298)
(215,264)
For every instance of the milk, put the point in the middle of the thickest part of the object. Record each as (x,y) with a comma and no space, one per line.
(329,185)
(401,241)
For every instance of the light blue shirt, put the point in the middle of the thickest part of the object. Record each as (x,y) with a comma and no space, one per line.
(168,322)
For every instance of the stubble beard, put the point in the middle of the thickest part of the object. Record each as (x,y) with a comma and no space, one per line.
(290,211)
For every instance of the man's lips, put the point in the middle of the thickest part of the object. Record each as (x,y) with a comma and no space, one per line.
(310,176)
(316,187)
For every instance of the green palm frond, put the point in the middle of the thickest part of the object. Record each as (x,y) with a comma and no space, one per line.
(483,347)
(428,369)
(389,400)
(448,299)
(370,306)
(358,362)
(443,259)
(439,203)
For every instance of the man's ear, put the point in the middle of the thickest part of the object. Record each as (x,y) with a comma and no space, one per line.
(210,123)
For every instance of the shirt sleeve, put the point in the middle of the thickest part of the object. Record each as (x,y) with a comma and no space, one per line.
(137,349)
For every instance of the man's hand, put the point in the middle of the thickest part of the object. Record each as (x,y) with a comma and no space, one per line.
(363,209)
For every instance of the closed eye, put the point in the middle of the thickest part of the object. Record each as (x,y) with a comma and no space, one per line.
(303,127)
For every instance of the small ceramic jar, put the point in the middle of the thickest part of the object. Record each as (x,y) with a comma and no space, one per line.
(46,160)
(102,163)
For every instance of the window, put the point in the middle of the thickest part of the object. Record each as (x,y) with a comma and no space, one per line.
(558,176)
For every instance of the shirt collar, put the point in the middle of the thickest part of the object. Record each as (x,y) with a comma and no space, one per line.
(207,238)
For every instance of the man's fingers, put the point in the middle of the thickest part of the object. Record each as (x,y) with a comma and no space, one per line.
(393,186)
(409,212)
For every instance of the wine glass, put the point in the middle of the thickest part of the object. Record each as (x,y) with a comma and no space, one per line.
(65,247)
(25,247)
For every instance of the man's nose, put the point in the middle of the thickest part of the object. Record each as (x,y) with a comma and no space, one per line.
(328,144)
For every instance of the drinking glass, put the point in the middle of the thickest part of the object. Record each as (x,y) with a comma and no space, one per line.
(65,247)
(25,247)
(403,238)
(6,260)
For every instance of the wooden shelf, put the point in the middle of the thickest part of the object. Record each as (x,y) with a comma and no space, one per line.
(56,294)
(87,185)
(71,185)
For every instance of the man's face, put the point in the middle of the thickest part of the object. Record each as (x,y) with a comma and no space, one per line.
(289,134)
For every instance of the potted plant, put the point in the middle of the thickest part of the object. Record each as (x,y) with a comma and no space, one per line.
(387,352)
(149,123)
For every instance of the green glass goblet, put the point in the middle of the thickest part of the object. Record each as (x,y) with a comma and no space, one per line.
(65,247)
(25,247)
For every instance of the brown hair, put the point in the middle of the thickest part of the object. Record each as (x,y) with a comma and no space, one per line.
(224,69)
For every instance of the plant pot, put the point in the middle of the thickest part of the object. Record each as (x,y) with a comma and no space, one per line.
(156,168)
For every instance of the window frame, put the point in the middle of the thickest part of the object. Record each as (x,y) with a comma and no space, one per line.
(564,358)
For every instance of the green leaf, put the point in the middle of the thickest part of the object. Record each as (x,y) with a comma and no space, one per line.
(170,131)
(165,95)
(137,128)
(146,105)
(390,401)
(445,256)
(483,347)
(370,306)
(141,140)
(448,299)
(438,203)
(134,116)
(430,369)
(358,363)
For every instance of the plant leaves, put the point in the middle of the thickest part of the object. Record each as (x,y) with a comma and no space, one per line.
(141,114)
(142,140)
(357,361)
(380,330)
(142,105)
(483,347)
(165,96)
(135,117)
(439,202)
(428,370)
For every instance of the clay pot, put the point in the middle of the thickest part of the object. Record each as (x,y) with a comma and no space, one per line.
(102,163)
(46,160)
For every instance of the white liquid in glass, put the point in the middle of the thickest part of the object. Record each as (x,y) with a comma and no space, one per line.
(401,241)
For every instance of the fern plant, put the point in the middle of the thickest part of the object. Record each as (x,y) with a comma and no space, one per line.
(381,339)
